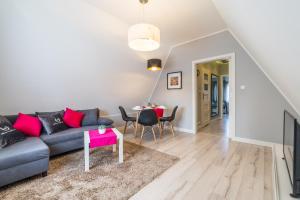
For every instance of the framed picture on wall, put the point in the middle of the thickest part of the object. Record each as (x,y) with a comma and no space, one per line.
(174,80)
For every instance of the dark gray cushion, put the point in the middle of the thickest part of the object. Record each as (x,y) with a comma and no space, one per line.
(31,149)
(90,117)
(105,121)
(52,123)
(9,135)
(66,135)
(61,112)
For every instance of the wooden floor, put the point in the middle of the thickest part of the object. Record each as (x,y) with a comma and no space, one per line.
(210,167)
(217,126)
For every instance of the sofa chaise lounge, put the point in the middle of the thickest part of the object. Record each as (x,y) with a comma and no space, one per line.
(31,156)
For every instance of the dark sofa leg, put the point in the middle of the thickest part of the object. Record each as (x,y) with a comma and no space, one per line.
(44,174)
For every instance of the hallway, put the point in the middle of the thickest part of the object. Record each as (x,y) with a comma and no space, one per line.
(217,126)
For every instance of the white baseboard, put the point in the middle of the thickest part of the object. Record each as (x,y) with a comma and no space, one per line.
(183,130)
(275,176)
(252,141)
(175,128)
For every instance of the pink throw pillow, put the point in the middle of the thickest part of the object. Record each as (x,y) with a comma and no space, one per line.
(29,125)
(73,118)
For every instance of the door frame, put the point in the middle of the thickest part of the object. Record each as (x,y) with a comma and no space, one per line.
(219,94)
(231,58)
(222,94)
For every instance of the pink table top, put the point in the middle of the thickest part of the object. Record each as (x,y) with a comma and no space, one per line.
(98,140)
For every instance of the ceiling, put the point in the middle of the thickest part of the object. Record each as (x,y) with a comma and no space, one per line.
(268,29)
(178,20)
(270,32)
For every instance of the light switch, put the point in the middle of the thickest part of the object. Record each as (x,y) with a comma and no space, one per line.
(243,87)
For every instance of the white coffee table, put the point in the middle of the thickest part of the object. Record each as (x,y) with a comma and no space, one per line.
(87,147)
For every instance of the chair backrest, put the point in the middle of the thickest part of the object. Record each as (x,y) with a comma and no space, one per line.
(174,113)
(148,118)
(159,112)
(123,113)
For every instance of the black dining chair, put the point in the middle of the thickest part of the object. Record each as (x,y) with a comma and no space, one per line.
(126,118)
(169,120)
(148,118)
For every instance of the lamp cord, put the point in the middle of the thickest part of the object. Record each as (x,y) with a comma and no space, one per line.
(143,12)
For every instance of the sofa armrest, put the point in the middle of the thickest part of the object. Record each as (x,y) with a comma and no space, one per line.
(105,121)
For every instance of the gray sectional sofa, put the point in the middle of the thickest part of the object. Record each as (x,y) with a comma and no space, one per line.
(31,156)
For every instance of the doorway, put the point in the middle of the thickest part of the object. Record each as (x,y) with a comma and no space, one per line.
(214,95)
(214,99)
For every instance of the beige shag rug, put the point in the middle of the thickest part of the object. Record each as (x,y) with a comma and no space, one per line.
(106,179)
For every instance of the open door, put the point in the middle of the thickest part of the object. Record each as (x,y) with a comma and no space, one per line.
(204,97)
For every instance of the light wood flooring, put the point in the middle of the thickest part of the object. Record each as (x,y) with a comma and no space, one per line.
(210,167)
(217,126)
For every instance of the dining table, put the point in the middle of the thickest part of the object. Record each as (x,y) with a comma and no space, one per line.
(139,109)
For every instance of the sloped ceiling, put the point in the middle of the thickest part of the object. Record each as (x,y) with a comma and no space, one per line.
(178,20)
(57,53)
(87,40)
(270,31)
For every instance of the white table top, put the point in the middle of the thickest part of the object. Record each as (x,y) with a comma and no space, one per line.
(139,108)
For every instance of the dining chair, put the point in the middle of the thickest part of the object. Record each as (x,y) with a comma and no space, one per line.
(159,112)
(126,118)
(169,120)
(148,118)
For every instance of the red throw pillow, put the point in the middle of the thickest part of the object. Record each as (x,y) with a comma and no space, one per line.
(73,118)
(29,125)
(159,112)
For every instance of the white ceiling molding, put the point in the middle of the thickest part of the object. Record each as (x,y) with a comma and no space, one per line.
(170,51)
(199,38)
(265,73)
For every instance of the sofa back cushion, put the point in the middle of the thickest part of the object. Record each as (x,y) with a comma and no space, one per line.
(90,117)
(28,125)
(61,112)
(73,118)
(52,123)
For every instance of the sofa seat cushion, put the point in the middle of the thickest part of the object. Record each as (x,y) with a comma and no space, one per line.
(29,150)
(66,135)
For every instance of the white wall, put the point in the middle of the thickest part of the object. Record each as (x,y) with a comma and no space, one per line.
(259,108)
(58,53)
